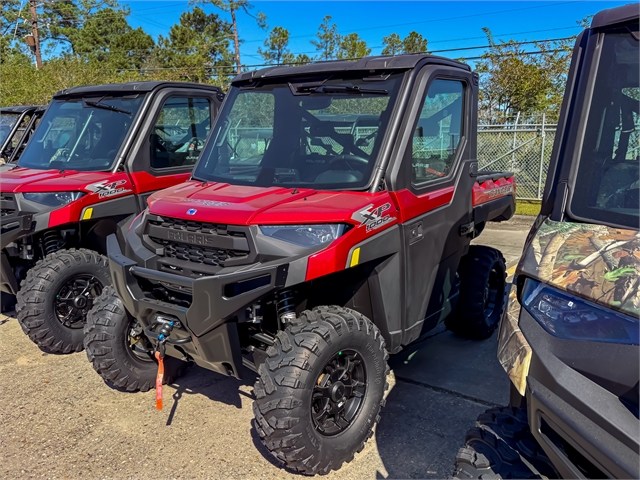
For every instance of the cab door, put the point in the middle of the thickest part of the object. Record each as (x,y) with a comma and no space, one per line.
(432,183)
(172,139)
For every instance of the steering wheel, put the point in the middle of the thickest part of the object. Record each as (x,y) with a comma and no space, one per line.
(347,159)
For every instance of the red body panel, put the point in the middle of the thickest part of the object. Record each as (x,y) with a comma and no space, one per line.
(242,205)
(246,205)
(145,182)
(71,212)
(490,190)
(411,205)
(25,180)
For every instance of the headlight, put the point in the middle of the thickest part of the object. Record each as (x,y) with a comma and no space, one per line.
(304,235)
(53,199)
(570,317)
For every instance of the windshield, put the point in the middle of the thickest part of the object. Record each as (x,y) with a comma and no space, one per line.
(7,121)
(322,134)
(81,134)
(608,177)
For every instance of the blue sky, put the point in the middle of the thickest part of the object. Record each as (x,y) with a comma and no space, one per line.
(446,24)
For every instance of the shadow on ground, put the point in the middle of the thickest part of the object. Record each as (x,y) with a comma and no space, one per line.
(216,387)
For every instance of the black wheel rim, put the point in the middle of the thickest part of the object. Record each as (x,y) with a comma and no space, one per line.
(492,293)
(339,393)
(75,298)
(138,344)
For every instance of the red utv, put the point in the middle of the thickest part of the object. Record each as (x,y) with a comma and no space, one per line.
(97,155)
(326,224)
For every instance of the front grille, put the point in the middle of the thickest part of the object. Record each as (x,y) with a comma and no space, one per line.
(198,254)
(196,249)
(191,226)
(7,205)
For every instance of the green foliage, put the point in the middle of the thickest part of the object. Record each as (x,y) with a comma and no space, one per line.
(352,46)
(414,43)
(276,47)
(513,81)
(328,41)
(232,7)
(300,59)
(59,20)
(22,84)
(392,44)
(527,208)
(196,49)
(108,37)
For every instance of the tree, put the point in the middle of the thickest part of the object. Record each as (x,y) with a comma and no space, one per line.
(232,6)
(58,20)
(299,59)
(276,46)
(197,48)
(107,37)
(392,44)
(513,81)
(414,43)
(352,46)
(328,39)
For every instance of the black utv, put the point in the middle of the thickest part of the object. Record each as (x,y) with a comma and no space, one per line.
(16,127)
(569,336)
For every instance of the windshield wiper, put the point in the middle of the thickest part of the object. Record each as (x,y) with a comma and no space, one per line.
(315,88)
(104,106)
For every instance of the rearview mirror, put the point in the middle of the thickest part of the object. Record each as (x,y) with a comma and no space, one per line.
(315,102)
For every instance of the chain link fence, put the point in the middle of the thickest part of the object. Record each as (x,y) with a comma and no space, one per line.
(522,146)
(518,145)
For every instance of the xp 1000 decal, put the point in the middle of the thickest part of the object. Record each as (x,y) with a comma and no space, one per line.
(374,217)
(109,189)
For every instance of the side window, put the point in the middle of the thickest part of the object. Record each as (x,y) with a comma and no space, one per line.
(180,132)
(437,134)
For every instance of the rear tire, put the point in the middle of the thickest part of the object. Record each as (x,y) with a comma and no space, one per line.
(296,386)
(57,293)
(502,446)
(7,302)
(109,349)
(483,274)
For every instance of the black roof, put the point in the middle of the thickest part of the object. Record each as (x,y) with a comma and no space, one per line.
(133,87)
(613,16)
(397,62)
(21,108)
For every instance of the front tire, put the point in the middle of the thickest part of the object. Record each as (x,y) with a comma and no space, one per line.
(120,359)
(502,446)
(483,274)
(320,391)
(57,294)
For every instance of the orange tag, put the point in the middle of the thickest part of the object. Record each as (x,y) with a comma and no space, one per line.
(159,378)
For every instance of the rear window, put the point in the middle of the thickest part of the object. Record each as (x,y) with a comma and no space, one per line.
(608,177)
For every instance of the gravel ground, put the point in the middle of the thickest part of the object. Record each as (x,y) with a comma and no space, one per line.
(60,420)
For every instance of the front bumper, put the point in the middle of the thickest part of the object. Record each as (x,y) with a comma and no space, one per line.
(575,393)
(12,228)
(210,320)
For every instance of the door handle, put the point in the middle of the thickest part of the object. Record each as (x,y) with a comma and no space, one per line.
(415,233)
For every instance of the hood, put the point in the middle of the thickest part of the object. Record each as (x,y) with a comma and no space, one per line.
(243,205)
(596,262)
(29,180)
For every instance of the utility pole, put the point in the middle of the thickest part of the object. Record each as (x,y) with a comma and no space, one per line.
(34,32)
(236,41)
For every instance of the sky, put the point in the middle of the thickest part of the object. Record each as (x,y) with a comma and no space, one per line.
(446,24)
